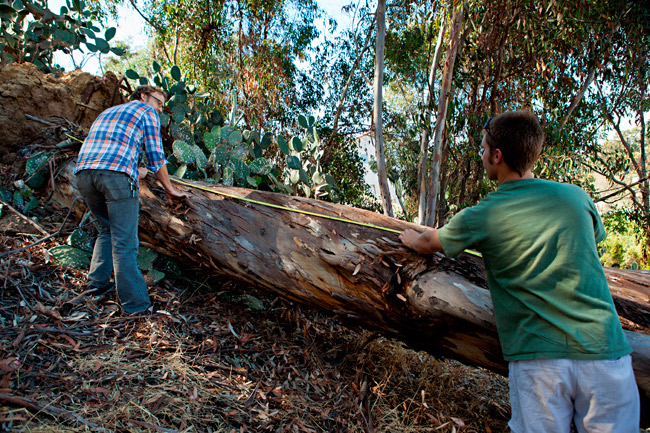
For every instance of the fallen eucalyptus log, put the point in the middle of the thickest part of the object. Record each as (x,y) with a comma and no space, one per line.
(362,274)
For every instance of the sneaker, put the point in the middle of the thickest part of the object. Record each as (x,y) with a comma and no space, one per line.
(151,311)
(98,292)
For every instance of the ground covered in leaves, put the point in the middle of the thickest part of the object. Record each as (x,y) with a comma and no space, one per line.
(225,359)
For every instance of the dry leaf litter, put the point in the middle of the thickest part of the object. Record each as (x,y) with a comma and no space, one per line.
(225,359)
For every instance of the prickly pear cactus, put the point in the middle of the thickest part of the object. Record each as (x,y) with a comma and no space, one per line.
(205,148)
(303,169)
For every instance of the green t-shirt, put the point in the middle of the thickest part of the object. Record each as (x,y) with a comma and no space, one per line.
(550,295)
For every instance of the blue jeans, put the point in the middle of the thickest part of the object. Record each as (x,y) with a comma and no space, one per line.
(113,199)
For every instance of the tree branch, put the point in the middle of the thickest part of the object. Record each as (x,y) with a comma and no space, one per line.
(590,78)
(50,410)
(622,189)
(160,30)
(24,218)
(347,84)
(578,97)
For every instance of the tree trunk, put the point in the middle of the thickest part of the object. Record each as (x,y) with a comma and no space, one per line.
(443,103)
(360,273)
(423,172)
(378,109)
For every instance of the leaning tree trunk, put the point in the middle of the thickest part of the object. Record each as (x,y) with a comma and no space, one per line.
(361,274)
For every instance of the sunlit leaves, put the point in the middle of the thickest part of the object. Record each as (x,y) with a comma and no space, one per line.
(33,33)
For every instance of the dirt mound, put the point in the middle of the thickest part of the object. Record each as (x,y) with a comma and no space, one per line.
(77,97)
(92,95)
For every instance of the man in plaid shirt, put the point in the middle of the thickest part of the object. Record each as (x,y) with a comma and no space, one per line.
(107,177)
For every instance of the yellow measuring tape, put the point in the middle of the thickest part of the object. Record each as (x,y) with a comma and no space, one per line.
(319,215)
(474,253)
(276,206)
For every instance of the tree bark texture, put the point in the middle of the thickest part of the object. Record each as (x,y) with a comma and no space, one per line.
(423,172)
(441,117)
(361,274)
(378,110)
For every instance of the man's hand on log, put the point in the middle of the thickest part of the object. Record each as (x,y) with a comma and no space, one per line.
(173,193)
(423,243)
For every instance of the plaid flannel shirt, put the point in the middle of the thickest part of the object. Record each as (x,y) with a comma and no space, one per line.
(117,138)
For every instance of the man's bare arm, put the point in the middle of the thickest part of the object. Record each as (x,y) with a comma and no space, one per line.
(423,243)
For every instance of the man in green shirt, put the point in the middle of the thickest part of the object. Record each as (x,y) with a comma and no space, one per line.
(569,360)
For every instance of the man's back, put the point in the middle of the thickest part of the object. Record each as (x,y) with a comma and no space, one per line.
(538,240)
(116,137)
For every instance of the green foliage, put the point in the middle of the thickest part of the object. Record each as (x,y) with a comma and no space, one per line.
(6,195)
(207,149)
(30,205)
(70,257)
(31,33)
(138,60)
(80,239)
(538,58)
(21,197)
(343,162)
(624,244)
(37,168)
(78,252)
(153,276)
(146,257)
(303,165)
(36,172)
(266,37)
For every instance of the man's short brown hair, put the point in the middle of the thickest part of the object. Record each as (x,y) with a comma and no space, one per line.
(145,90)
(519,136)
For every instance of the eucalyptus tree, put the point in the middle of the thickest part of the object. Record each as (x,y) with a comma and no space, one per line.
(545,56)
(622,93)
(377,118)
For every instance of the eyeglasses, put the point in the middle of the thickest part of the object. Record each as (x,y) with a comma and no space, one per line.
(486,126)
(162,104)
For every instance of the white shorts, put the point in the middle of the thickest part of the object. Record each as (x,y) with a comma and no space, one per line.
(599,396)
